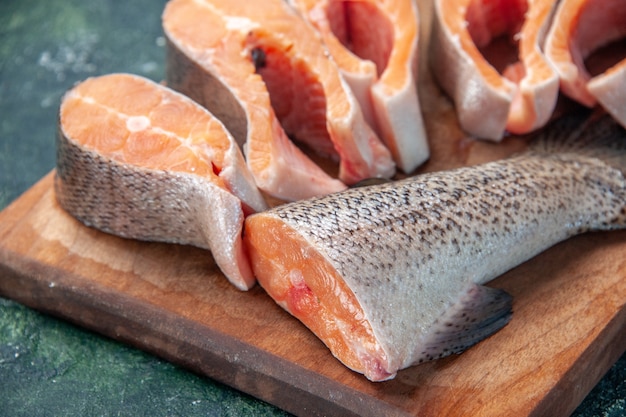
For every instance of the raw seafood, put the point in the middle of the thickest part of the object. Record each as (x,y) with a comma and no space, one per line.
(391,275)
(518,95)
(375,45)
(581,27)
(141,161)
(254,64)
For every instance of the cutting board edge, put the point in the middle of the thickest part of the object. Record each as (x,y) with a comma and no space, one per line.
(570,391)
(44,296)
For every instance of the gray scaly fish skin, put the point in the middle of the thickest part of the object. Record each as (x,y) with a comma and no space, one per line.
(416,252)
(149,204)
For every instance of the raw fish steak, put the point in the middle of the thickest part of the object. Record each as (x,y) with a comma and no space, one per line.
(487,56)
(375,45)
(141,161)
(261,69)
(581,27)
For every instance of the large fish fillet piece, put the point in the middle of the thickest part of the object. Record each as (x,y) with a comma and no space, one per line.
(580,27)
(392,275)
(141,161)
(259,64)
(375,45)
(491,98)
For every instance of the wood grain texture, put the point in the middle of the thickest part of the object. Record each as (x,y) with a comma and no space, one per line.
(567,328)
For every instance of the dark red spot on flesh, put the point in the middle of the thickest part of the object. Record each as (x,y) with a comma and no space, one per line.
(301,299)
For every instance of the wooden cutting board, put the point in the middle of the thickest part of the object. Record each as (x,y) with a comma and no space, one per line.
(567,329)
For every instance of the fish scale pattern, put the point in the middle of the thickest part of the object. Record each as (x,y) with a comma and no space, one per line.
(411,249)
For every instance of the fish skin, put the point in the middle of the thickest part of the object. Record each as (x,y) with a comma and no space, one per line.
(219,72)
(609,89)
(489,104)
(416,252)
(394,111)
(151,204)
(580,27)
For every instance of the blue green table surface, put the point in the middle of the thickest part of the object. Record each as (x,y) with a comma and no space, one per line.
(49,367)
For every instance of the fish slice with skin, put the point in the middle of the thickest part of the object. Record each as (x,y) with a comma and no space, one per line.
(580,27)
(392,275)
(375,45)
(141,161)
(257,65)
(522,98)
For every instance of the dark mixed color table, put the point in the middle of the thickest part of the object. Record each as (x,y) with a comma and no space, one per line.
(50,367)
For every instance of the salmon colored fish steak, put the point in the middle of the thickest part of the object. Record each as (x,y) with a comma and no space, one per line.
(261,69)
(487,56)
(141,161)
(375,45)
(581,27)
(392,275)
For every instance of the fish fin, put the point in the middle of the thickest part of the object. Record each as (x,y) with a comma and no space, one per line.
(592,133)
(480,312)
